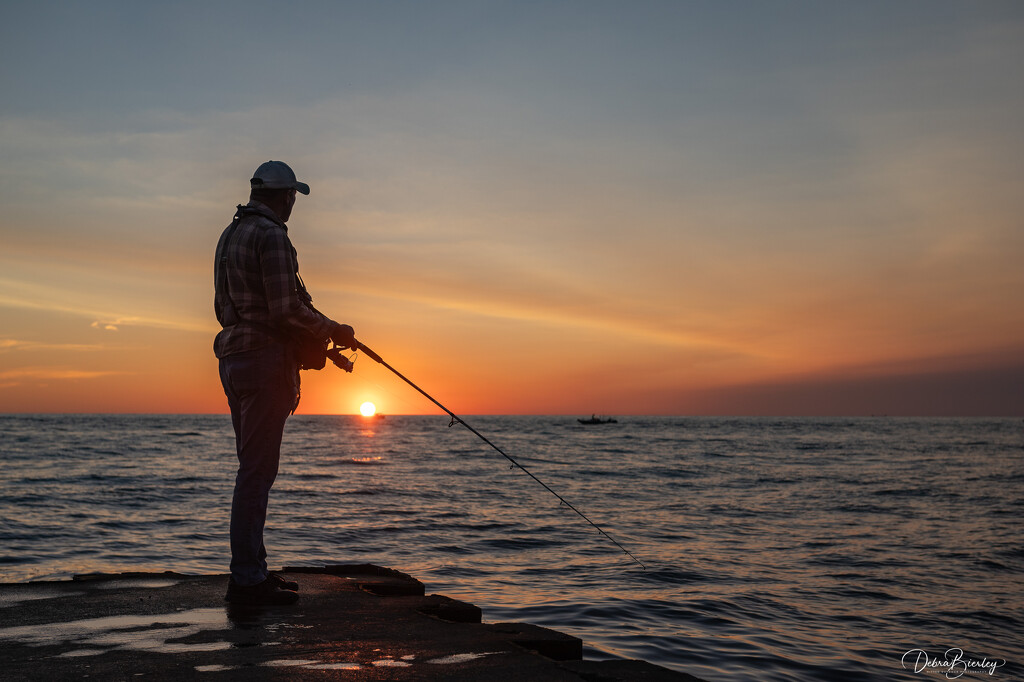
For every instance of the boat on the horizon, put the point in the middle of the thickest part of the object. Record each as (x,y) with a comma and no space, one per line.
(594,419)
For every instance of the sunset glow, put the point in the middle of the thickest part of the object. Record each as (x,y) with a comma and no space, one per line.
(650,208)
(367,409)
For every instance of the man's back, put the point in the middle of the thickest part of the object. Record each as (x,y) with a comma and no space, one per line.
(257,288)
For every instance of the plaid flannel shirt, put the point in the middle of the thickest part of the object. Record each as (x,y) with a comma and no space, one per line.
(262,282)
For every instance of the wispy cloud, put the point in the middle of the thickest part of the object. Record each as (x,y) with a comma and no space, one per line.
(54,374)
(7,345)
(46,298)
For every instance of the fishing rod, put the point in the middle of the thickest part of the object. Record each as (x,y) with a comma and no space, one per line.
(344,363)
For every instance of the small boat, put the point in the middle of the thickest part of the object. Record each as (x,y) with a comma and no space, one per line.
(597,420)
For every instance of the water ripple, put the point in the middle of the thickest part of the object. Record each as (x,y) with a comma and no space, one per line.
(777,549)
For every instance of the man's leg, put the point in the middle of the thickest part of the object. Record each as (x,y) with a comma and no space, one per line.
(261,393)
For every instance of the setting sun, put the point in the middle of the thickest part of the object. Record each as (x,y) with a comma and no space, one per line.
(367,409)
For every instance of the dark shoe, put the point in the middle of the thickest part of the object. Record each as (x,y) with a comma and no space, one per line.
(266,593)
(283,582)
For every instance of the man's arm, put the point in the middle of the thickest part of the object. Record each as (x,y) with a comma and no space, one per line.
(287,312)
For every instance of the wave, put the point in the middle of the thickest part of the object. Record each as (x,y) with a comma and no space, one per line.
(769,543)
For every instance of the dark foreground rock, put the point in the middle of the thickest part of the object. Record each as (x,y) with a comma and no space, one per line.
(353,622)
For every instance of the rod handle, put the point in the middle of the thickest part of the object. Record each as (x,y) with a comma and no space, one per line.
(369,353)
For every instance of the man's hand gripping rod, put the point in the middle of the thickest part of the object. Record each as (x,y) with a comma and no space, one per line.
(344,363)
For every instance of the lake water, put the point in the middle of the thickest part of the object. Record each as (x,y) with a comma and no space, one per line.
(775,549)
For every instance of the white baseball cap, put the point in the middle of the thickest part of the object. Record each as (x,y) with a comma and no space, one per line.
(277,175)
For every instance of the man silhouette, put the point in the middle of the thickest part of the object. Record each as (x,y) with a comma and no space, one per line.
(266,315)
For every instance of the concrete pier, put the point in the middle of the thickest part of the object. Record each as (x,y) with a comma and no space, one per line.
(352,622)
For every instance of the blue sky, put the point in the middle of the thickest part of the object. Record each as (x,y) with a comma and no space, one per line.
(732,196)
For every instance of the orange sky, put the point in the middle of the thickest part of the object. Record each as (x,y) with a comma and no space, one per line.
(810,213)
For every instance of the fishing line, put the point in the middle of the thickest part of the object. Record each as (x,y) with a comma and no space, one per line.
(383,389)
(336,353)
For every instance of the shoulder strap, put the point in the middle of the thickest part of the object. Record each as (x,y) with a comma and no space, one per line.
(221,278)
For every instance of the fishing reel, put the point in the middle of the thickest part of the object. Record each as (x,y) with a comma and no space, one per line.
(337,355)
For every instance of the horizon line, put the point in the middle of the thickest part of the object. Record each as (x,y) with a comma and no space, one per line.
(573,415)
